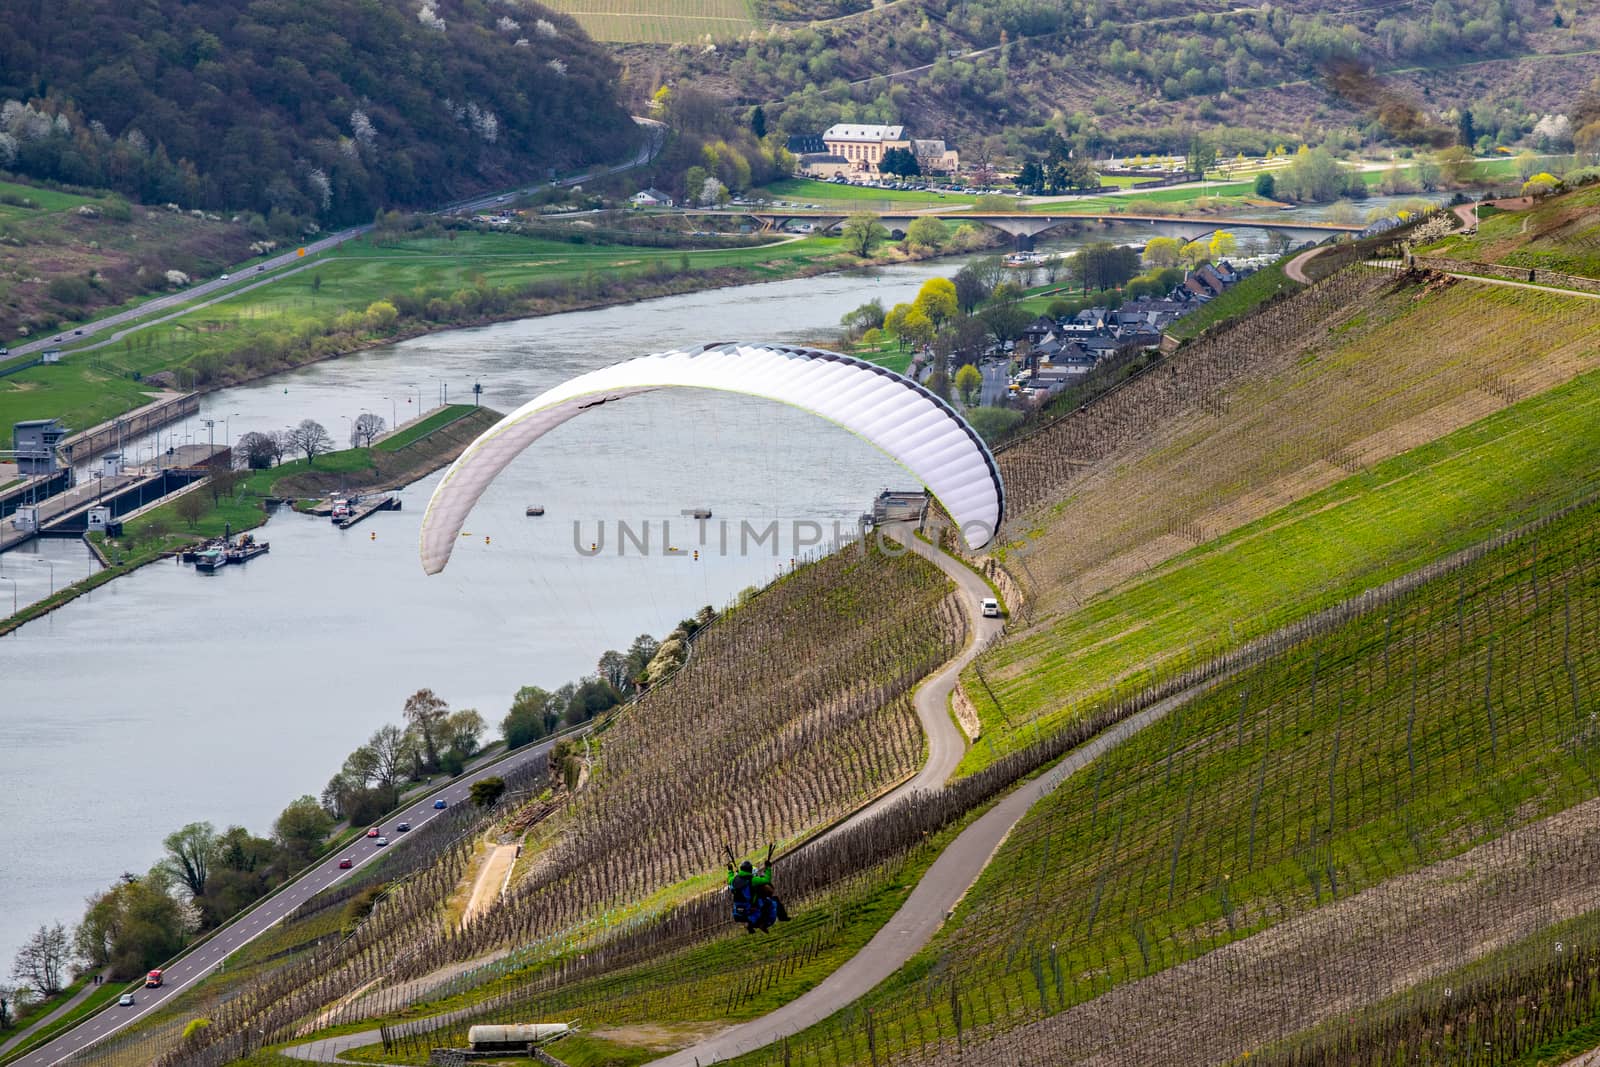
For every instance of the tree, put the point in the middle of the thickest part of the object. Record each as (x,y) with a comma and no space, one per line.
(42,960)
(1162,251)
(1466,135)
(868,316)
(152,927)
(463,731)
(1222,245)
(189,853)
(392,750)
(916,328)
(487,791)
(1200,156)
(1527,164)
(302,829)
(1192,254)
(971,288)
(365,428)
(1006,322)
(222,481)
(1030,177)
(901,162)
(311,439)
(927,232)
(426,712)
(758,122)
(190,507)
(260,450)
(969,382)
(937,300)
(528,719)
(1266,185)
(1103,265)
(862,232)
(590,698)
(894,320)
(712,192)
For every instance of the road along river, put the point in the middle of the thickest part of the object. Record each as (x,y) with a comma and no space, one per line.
(167,697)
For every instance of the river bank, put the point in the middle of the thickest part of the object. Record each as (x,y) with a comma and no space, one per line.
(382,289)
(154,535)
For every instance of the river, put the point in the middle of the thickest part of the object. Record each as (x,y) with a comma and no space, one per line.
(167,697)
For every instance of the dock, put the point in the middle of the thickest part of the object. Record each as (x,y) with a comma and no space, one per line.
(367,507)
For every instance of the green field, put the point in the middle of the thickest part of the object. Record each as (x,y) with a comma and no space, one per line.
(1372,527)
(1408,735)
(441,418)
(295,311)
(45,201)
(659,21)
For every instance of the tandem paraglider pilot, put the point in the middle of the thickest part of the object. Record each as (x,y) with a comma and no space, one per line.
(755,902)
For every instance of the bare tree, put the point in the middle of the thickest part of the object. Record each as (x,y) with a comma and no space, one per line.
(366,427)
(43,959)
(189,852)
(223,480)
(392,749)
(189,507)
(259,450)
(311,439)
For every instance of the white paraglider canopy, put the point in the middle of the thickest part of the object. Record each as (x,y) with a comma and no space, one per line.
(912,425)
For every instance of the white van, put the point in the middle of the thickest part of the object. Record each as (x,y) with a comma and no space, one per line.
(991,607)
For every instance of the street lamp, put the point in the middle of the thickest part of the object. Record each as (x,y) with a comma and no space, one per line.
(52,566)
(227,434)
(13,582)
(394,412)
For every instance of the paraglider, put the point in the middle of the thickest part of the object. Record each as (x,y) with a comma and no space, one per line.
(755,902)
(909,423)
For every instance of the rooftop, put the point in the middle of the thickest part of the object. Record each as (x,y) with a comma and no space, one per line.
(849,131)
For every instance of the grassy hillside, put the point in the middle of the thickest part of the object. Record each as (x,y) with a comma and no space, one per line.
(69,256)
(1215,512)
(321,112)
(1420,729)
(1561,233)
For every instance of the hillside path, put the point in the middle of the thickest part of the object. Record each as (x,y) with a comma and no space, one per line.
(1296,267)
(925,910)
(491,881)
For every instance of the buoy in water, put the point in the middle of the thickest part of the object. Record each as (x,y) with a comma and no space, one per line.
(535,509)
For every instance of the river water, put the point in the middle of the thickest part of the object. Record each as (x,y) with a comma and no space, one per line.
(167,696)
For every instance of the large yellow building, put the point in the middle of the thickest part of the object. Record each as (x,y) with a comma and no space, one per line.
(863,145)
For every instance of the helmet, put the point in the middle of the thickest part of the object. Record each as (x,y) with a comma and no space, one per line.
(745,867)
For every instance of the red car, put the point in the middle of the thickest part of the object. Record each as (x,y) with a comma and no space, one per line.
(372,832)
(346,863)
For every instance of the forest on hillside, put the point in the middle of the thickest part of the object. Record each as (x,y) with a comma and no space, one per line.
(1123,78)
(323,112)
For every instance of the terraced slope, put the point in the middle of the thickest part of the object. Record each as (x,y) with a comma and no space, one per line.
(1206,508)
(1422,729)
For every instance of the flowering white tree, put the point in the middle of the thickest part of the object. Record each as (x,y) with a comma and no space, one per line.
(546,28)
(321,188)
(1553,131)
(8,150)
(429,17)
(713,192)
(483,122)
(362,127)
(508,24)
(557,66)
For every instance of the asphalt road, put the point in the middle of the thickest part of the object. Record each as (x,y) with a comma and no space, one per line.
(246,927)
(924,911)
(266,269)
(995,383)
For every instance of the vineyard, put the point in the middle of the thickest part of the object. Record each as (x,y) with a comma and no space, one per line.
(1558,234)
(659,21)
(1175,535)
(1373,807)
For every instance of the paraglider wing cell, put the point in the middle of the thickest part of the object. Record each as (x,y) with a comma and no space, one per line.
(912,425)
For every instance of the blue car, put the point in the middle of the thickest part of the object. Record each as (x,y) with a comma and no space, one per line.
(438,805)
